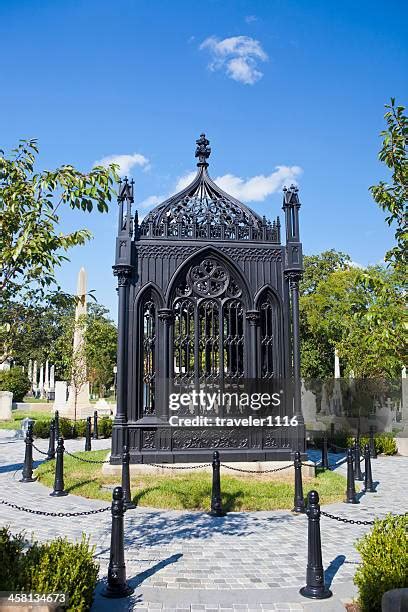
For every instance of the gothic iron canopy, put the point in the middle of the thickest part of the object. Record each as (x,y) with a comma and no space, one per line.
(203,203)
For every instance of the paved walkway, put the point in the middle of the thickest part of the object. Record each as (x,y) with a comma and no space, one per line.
(189,561)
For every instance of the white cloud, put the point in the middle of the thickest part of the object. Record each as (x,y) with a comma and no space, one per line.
(355,264)
(238,56)
(253,189)
(257,188)
(152,200)
(251,18)
(126,162)
(184,181)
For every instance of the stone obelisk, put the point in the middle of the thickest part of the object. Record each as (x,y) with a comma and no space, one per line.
(78,405)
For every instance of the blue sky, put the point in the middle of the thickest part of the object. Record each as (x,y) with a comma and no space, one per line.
(283,89)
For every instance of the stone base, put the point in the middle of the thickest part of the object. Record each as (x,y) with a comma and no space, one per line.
(402,444)
(82,412)
(253,466)
(83,406)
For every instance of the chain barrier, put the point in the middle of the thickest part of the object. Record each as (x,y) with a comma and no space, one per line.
(87,460)
(54,514)
(345,520)
(279,469)
(174,467)
(352,521)
(337,446)
(228,467)
(39,450)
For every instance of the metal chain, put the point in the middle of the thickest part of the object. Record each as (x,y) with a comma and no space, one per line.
(337,446)
(86,460)
(279,469)
(344,520)
(38,450)
(54,514)
(351,521)
(173,467)
(202,465)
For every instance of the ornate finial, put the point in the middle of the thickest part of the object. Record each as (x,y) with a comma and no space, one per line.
(126,190)
(203,150)
(290,195)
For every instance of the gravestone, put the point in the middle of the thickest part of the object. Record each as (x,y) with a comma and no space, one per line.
(6,400)
(60,401)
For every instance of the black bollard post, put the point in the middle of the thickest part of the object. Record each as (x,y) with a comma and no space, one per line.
(373,450)
(51,442)
(368,477)
(28,456)
(299,502)
(127,496)
(325,455)
(315,587)
(351,488)
(57,426)
(216,506)
(117,586)
(59,471)
(88,434)
(95,426)
(357,467)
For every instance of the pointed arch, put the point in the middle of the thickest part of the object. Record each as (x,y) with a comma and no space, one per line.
(269,305)
(201,255)
(148,303)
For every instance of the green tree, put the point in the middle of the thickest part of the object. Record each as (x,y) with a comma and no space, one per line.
(362,314)
(101,345)
(98,350)
(31,245)
(36,327)
(316,347)
(393,197)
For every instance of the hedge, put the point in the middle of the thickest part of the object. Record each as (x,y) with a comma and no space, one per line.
(384,442)
(72,429)
(384,555)
(58,566)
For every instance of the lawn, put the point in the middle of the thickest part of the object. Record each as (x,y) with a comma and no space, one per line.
(192,491)
(19,415)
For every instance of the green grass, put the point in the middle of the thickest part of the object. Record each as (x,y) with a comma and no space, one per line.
(19,415)
(192,491)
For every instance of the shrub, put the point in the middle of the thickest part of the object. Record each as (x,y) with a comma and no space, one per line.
(81,428)
(384,554)
(41,429)
(16,381)
(11,548)
(66,428)
(61,566)
(384,443)
(105,427)
(58,566)
(70,429)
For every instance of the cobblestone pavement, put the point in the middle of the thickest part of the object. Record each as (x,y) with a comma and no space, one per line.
(183,561)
